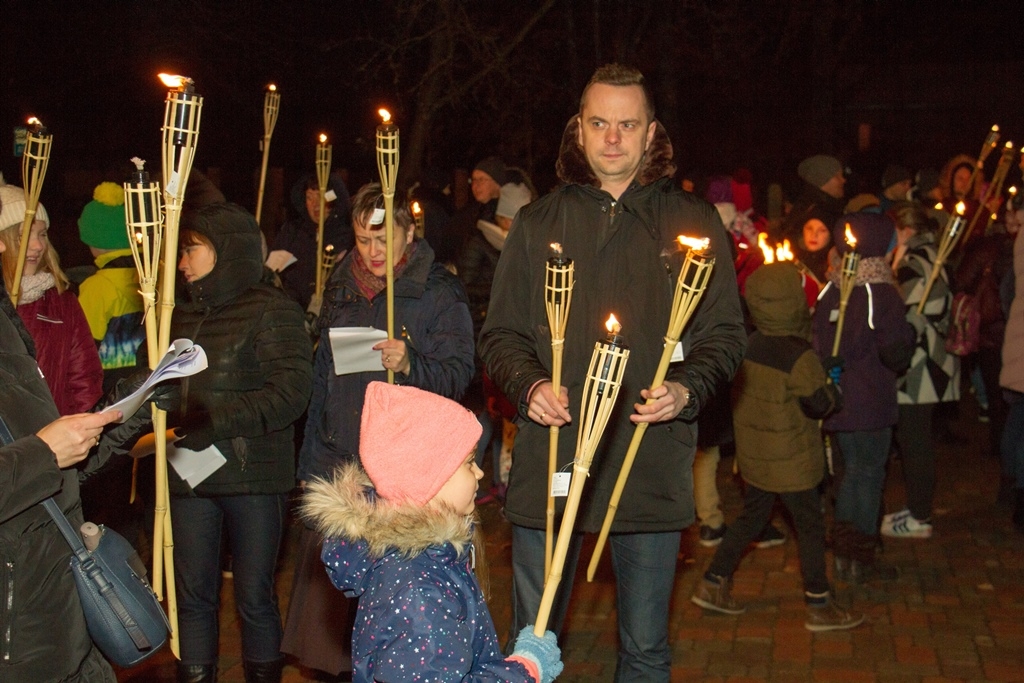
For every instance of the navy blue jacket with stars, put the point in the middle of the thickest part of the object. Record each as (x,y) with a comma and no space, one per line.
(422,615)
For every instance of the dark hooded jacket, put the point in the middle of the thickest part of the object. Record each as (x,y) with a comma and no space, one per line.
(298,236)
(430,305)
(259,375)
(43,636)
(626,262)
(421,609)
(780,392)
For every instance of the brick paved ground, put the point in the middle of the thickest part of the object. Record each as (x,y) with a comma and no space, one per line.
(955,614)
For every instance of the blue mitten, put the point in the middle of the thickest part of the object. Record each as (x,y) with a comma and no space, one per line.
(542,651)
(834,368)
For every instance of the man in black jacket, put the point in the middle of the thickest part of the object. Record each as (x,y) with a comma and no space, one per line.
(617,215)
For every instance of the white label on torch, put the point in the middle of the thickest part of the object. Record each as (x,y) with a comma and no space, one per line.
(833,315)
(377,217)
(173,182)
(677,353)
(560,484)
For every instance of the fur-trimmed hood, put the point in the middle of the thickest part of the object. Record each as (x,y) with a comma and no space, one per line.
(346,508)
(572,167)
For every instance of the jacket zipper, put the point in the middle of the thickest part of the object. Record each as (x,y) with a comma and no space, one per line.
(8,605)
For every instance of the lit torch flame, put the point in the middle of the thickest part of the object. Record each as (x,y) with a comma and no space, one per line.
(850,239)
(762,242)
(961,208)
(695,243)
(385,115)
(272,87)
(416,208)
(323,138)
(938,207)
(172,81)
(33,121)
(784,253)
(612,324)
(556,248)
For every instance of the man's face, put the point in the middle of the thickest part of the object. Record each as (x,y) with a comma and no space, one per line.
(484,187)
(615,133)
(834,186)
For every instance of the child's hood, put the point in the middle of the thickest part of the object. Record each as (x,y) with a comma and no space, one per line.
(365,528)
(777,303)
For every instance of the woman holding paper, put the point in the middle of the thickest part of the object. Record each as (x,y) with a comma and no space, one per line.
(256,386)
(434,353)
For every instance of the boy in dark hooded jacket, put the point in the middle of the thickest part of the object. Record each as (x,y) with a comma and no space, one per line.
(780,393)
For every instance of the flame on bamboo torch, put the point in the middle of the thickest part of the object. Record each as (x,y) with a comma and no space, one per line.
(34,162)
(418,218)
(693,279)
(601,388)
(387,167)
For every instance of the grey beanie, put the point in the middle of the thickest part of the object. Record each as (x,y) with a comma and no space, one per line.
(819,169)
(494,167)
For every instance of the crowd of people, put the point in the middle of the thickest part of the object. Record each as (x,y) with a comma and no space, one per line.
(386,476)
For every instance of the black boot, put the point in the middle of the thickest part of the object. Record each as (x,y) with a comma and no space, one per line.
(197,673)
(263,672)
(865,565)
(841,550)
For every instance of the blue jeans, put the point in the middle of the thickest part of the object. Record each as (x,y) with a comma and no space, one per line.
(645,568)
(254,525)
(859,498)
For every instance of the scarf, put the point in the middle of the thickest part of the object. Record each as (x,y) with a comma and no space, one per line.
(369,284)
(874,269)
(33,287)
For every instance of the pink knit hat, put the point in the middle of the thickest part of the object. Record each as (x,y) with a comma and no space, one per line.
(412,441)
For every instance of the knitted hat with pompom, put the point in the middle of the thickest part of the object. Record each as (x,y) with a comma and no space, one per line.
(102,223)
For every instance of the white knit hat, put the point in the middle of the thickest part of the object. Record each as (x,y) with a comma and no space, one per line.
(12,207)
(514,196)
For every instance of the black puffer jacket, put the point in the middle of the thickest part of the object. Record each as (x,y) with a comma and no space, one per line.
(260,360)
(625,263)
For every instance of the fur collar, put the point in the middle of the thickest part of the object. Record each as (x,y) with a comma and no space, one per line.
(573,169)
(347,507)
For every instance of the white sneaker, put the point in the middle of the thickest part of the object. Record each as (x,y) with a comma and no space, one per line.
(904,525)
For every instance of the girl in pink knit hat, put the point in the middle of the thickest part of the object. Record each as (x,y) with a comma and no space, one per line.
(399,536)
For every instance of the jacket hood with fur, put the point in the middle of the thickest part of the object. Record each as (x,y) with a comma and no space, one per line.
(347,507)
(572,167)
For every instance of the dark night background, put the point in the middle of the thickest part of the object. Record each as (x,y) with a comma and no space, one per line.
(760,84)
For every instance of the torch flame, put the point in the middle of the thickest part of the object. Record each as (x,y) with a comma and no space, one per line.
(33,121)
(938,206)
(272,87)
(138,237)
(762,242)
(612,324)
(995,128)
(556,248)
(1009,145)
(784,253)
(961,208)
(385,115)
(850,238)
(172,81)
(696,243)
(416,208)
(1012,190)
(323,138)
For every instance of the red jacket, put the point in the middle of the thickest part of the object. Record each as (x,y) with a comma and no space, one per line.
(65,350)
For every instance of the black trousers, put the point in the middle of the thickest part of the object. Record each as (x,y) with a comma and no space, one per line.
(804,507)
(917,457)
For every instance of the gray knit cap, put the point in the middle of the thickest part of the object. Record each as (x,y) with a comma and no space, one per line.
(819,169)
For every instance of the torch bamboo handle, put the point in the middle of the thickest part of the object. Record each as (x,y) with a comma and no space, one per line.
(263,178)
(556,386)
(839,327)
(929,283)
(554,576)
(627,463)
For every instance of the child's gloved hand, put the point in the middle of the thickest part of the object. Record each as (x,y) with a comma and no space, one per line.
(834,368)
(542,652)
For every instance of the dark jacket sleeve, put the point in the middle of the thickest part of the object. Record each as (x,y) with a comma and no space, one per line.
(283,351)
(28,475)
(443,362)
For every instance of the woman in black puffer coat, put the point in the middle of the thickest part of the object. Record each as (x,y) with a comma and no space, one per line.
(257,384)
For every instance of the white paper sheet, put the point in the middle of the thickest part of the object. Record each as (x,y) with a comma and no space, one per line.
(183,359)
(352,348)
(192,466)
(279,259)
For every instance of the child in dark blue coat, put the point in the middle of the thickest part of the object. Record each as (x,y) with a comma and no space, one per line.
(399,536)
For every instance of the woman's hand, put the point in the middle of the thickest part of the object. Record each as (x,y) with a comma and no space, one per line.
(73,436)
(394,355)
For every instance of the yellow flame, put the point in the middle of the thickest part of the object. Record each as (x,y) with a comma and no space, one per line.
(556,248)
(994,217)
(612,324)
(272,87)
(323,138)
(694,242)
(385,115)
(762,242)
(995,128)
(784,253)
(33,121)
(1012,190)
(416,208)
(938,206)
(961,208)
(1009,144)
(138,237)
(172,81)
(850,238)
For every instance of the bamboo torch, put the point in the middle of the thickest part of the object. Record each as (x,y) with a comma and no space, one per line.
(950,237)
(847,278)
(604,378)
(271,107)
(690,285)
(986,148)
(144,221)
(995,188)
(387,166)
(558,282)
(323,174)
(33,171)
(180,135)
